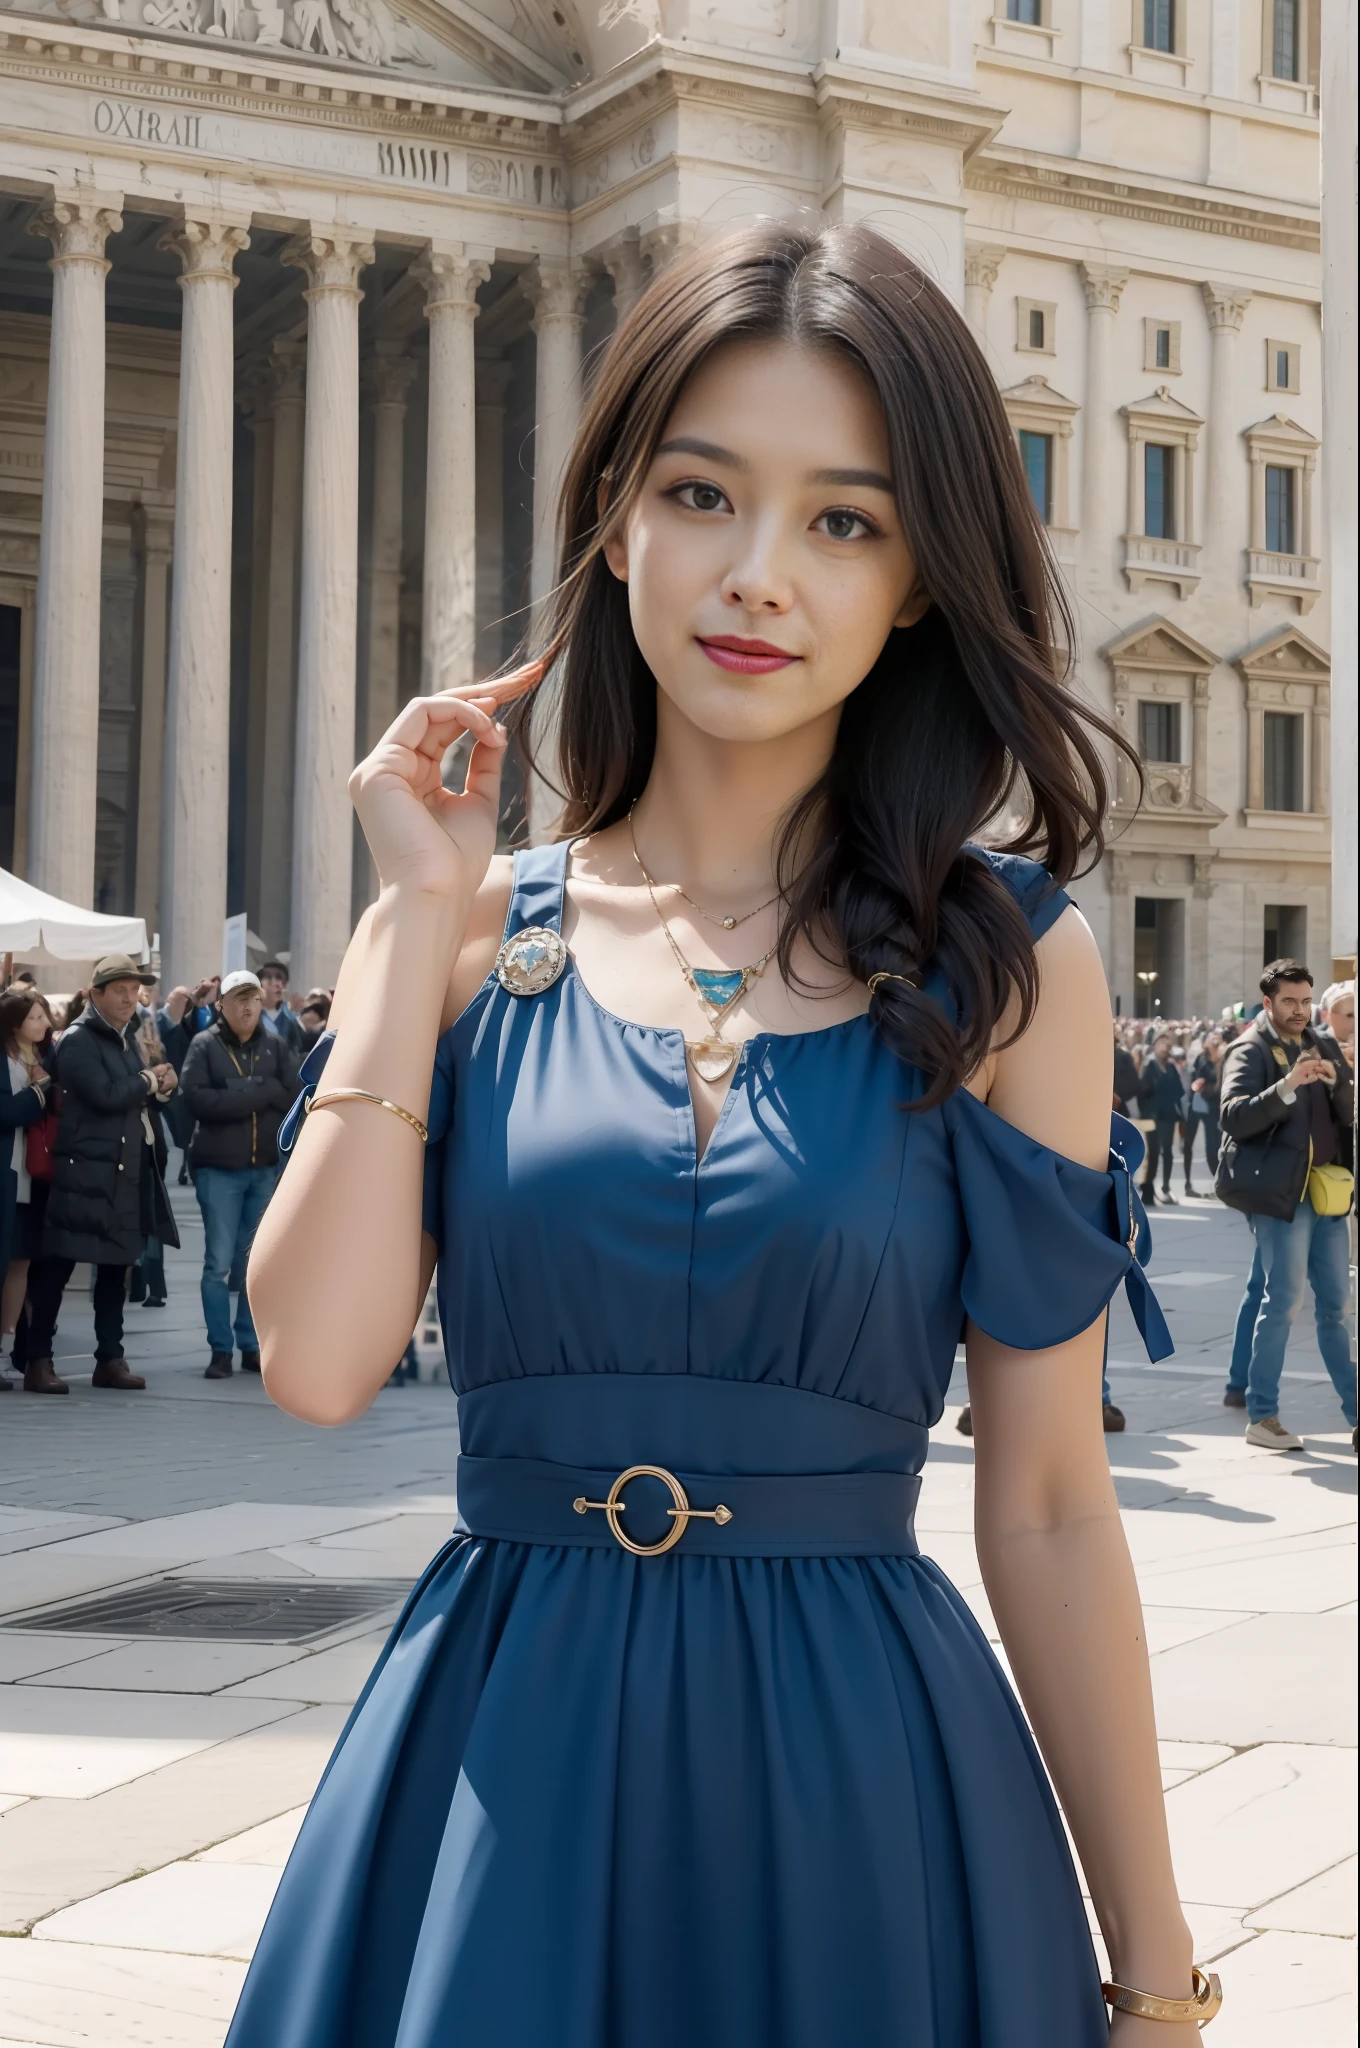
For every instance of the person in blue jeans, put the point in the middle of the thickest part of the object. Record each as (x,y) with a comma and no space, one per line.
(1235,1393)
(1287,1097)
(238,1081)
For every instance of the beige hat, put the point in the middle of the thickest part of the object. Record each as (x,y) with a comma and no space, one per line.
(240,977)
(114,967)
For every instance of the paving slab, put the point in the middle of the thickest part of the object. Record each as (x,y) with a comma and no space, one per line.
(335,1676)
(216,1532)
(1261,1823)
(24,1654)
(1272,1678)
(1287,1991)
(163,1666)
(1324,1905)
(203,1909)
(270,1844)
(60,1995)
(56,1851)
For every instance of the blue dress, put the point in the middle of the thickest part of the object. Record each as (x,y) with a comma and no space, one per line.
(770,1789)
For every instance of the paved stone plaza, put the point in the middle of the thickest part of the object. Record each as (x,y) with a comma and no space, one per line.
(150,1788)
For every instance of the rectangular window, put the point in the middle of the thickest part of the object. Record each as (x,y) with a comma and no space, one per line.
(1284,760)
(1282,366)
(1028,11)
(1159,732)
(1159,25)
(1036,328)
(1159,492)
(1163,348)
(1036,452)
(1284,40)
(1280,510)
(1282,369)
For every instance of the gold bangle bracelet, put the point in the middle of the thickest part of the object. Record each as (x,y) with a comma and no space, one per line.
(1203,2005)
(421,1130)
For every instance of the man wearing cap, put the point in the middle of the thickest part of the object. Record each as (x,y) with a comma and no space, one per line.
(238,1080)
(108,1194)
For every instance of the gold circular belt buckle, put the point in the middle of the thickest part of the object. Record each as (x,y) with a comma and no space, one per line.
(681,1514)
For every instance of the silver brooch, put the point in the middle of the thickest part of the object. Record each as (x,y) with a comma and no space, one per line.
(531,961)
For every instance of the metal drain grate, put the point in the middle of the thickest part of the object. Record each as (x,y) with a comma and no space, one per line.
(213,1610)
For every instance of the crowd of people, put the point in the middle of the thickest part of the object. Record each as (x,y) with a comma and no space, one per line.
(98,1085)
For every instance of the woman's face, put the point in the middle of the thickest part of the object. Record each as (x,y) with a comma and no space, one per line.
(767,516)
(33,1030)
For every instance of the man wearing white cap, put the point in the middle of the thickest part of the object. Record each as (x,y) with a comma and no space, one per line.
(237,1082)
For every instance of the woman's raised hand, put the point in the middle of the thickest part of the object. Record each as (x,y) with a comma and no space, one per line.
(421,835)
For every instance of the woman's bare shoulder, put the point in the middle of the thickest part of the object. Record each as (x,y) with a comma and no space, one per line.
(486,927)
(1055,1081)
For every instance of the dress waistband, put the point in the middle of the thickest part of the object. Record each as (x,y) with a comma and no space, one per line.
(805,1514)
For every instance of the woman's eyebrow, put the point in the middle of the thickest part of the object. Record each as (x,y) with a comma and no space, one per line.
(709,451)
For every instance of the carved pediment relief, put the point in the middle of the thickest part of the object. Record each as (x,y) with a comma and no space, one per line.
(1160,646)
(1287,655)
(449,40)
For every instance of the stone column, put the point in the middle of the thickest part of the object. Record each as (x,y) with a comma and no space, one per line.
(288,372)
(385,380)
(1223,523)
(198,680)
(1199,744)
(61,813)
(151,543)
(666,237)
(322,820)
(621,256)
(1197,947)
(1104,283)
(256,398)
(450,277)
(981,266)
(558,295)
(493,380)
(1320,755)
(1256,748)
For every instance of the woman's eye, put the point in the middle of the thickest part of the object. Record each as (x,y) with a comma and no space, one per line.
(841,524)
(699,497)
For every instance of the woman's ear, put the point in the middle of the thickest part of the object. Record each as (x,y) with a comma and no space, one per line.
(915,606)
(615,552)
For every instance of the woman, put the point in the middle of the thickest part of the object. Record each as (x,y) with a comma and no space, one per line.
(26,1034)
(1206,1083)
(738,1099)
(146,1280)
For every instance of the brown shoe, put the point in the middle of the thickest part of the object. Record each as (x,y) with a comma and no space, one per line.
(113,1372)
(964,1425)
(39,1378)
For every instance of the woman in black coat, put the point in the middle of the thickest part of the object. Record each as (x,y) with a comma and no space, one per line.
(26,1036)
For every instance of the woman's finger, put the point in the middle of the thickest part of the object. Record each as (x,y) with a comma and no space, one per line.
(487,759)
(499,689)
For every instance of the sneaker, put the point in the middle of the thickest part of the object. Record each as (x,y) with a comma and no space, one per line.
(1270,1434)
(115,1372)
(964,1425)
(1234,1397)
(218,1366)
(154,1301)
(1112,1418)
(1167,1196)
(250,1361)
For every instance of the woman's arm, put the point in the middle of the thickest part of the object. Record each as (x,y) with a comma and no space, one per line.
(338,1270)
(1054,1559)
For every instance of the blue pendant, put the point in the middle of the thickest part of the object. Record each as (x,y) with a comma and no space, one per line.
(718,986)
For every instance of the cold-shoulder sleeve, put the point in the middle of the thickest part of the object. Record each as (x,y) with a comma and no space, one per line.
(1049,1240)
(437,1120)
(1038,895)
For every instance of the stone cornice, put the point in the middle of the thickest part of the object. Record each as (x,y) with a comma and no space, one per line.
(208,74)
(1133,196)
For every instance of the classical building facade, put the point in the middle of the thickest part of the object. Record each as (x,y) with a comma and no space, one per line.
(296,302)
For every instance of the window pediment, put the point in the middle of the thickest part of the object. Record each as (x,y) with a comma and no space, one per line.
(1160,648)
(1162,412)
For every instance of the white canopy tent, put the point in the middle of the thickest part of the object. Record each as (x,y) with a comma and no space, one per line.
(41,931)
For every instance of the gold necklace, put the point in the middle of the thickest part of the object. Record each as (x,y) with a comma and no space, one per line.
(717,989)
(729,924)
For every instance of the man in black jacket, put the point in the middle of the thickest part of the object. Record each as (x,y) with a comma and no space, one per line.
(1287,1091)
(107,1194)
(1161,1096)
(238,1080)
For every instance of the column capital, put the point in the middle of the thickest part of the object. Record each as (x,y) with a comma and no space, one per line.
(385,376)
(1104,284)
(556,291)
(982,262)
(255,388)
(207,246)
(622,259)
(152,534)
(78,223)
(450,276)
(665,237)
(1225,304)
(287,361)
(332,257)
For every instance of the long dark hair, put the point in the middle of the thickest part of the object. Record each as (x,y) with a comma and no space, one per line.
(961,717)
